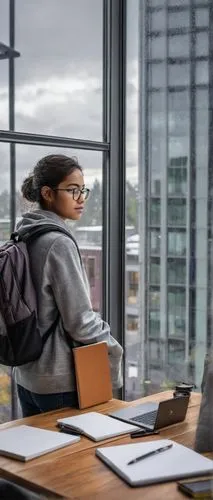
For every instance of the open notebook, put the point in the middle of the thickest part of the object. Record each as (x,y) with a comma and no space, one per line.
(175,463)
(97,426)
(24,442)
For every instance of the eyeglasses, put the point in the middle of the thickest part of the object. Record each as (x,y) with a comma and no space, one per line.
(76,192)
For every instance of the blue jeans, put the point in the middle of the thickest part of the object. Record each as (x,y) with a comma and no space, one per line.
(33,404)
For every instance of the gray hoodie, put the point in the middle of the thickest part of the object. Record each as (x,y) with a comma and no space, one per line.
(62,288)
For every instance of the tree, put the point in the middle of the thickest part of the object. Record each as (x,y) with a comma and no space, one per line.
(131,205)
(93,211)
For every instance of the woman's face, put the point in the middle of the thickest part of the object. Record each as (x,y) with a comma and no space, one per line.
(67,200)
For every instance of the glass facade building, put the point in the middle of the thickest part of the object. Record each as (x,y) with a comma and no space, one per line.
(174,86)
(127,87)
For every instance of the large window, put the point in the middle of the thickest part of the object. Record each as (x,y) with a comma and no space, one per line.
(54,89)
(155,212)
(176,271)
(155,271)
(176,212)
(177,181)
(59,74)
(132,286)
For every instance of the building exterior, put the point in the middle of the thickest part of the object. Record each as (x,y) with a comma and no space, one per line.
(175,183)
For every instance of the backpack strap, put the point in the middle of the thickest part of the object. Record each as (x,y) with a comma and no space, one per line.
(39,230)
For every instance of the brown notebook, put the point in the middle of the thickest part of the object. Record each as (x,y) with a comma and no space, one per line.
(92,371)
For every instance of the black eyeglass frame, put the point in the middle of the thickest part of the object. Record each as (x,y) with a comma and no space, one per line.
(83,191)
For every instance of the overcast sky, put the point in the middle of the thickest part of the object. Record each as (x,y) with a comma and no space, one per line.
(59,80)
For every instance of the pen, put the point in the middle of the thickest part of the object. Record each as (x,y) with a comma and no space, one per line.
(68,430)
(137,434)
(149,454)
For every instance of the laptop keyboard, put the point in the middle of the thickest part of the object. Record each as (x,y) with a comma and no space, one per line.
(147,418)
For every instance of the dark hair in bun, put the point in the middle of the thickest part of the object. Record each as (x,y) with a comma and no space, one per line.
(28,190)
(49,171)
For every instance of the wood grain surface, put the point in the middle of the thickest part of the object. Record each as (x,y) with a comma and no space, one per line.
(75,472)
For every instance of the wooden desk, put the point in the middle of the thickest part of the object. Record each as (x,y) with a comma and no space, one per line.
(75,472)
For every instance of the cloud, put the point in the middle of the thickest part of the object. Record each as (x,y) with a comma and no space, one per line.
(59,81)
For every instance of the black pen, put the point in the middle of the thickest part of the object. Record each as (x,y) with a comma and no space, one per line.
(68,430)
(137,434)
(149,454)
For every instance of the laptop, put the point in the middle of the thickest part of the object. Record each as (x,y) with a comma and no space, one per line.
(153,415)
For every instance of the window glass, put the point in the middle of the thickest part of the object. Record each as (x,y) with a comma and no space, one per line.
(178,19)
(177,181)
(176,212)
(176,243)
(176,352)
(91,271)
(202,17)
(4,67)
(179,100)
(176,312)
(154,352)
(202,72)
(179,74)
(179,45)
(156,3)
(155,272)
(4,21)
(5,229)
(158,20)
(59,74)
(201,131)
(155,241)
(4,95)
(132,323)
(155,212)
(133,284)
(154,299)
(201,2)
(178,3)
(176,271)
(202,44)
(157,47)
(157,75)
(154,323)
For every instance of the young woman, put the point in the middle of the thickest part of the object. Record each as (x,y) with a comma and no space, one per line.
(62,289)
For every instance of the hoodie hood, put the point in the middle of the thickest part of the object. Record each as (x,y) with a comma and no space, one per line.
(38,218)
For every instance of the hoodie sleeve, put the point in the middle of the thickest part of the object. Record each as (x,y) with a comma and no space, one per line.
(70,288)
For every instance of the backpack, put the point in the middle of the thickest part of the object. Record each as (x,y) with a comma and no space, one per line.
(20,338)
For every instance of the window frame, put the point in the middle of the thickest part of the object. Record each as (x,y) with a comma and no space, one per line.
(113,167)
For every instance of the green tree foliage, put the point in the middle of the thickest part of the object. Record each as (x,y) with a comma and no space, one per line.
(131,205)
(93,212)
